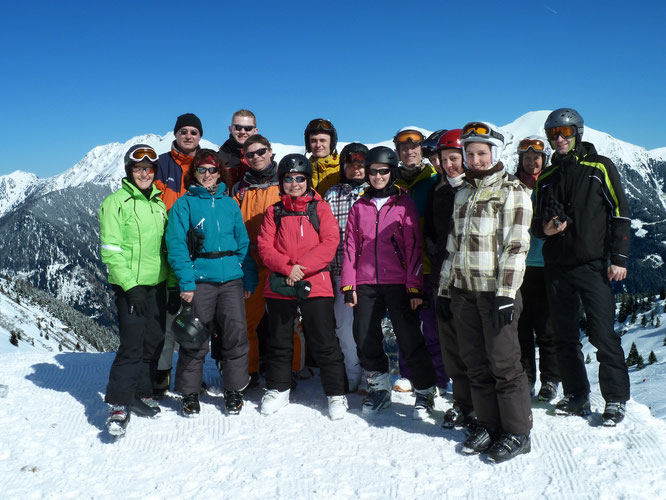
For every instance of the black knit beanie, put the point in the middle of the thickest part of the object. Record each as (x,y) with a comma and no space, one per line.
(188,120)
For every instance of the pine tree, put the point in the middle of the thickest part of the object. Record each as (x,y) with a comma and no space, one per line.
(634,317)
(644,320)
(652,359)
(662,294)
(14,339)
(588,359)
(60,347)
(640,364)
(632,358)
(657,322)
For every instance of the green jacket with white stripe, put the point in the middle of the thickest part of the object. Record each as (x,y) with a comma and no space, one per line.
(132,233)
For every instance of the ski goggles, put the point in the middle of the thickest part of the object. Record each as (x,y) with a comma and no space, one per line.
(295,178)
(379,171)
(247,128)
(140,154)
(259,152)
(211,170)
(567,131)
(320,124)
(409,136)
(475,129)
(534,144)
(355,158)
(146,170)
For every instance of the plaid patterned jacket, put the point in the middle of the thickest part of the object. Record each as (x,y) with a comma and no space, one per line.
(490,239)
(341,197)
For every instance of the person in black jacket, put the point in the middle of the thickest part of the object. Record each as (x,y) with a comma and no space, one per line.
(582,212)
(243,125)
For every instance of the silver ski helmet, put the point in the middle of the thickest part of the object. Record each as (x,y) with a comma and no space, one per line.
(565,117)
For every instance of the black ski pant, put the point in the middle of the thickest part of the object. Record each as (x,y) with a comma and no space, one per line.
(500,392)
(589,282)
(372,304)
(319,331)
(534,321)
(448,340)
(141,340)
(221,307)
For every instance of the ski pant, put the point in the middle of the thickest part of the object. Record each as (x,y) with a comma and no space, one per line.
(344,330)
(255,309)
(448,339)
(500,393)
(141,339)
(219,306)
(589,282)
(533,321)
(319,329)
(166,356)
(370,309)
(428,318)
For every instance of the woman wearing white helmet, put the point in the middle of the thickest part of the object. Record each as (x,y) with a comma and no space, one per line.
(481,276)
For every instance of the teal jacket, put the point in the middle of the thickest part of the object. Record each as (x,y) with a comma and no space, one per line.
(224,230)
(132,232)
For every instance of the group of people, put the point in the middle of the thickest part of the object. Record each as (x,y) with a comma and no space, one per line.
(264,265)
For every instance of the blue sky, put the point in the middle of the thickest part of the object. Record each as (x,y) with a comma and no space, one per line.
(79,74)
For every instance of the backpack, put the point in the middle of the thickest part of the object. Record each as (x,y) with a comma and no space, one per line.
(310,213)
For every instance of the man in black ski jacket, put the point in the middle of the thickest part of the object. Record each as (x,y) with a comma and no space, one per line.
(582,213)
(243,125)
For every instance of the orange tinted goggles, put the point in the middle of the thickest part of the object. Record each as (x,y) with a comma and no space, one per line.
(141,153)
(320,124)
(355,158)
(533,144)
(566,132)
(475,129)
(409,136)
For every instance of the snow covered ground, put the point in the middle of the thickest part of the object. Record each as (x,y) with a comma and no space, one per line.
(53,445)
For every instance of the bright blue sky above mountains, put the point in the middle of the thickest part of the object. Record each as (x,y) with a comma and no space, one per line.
(78,74)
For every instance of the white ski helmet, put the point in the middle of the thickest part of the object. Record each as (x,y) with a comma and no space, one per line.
(484,132)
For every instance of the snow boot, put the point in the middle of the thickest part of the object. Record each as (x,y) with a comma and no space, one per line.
(574,405)
(425,403)
(233,402)
(402,385)
(614,413)
(119,417)
(273,400)
(141,409)
(453,417)
(379,393)
(548,391)
(162,383)
(151,401)
(509,446)
(337,407)
(190,406)
(477,441)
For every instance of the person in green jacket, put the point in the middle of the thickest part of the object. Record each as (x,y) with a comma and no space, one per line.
(132,222)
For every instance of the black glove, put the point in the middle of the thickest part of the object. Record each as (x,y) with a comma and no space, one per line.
(173,303)
(554,208)
(137,300)
(349,296)
(444,308)
(195,242)
(502,311)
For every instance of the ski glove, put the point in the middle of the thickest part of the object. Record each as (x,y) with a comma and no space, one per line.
(195,242)
(502,311)
(554,208)
(137,300)
(173,303)
(444,308)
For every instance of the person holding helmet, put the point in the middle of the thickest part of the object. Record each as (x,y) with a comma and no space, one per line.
(533,156)
(482,274)
(321,139)
(583,214)
(212,278)
(418,177)
(341,197)
(382,271)
(436,232)
(297,241)
(131,222)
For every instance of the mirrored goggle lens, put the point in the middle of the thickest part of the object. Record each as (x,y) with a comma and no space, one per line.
(475,129)
(533,144)
(259,152)
(295,178)
(320,124)
(565,131)
(380,171)
(409,136)
(141,153)
(355,158)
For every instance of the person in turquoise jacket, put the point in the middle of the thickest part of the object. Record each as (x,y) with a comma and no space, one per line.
(210,275)
(132,222)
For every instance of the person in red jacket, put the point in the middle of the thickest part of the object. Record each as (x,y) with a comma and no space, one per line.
(297,241)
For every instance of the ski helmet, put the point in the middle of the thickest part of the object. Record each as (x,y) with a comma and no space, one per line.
(484,132)
(538,145)
(450,140)
(357,151)
(429,146)
(320,125)
(294,163)
(382,154)
(565,117)
(406,135)
(188,329)
(139,153)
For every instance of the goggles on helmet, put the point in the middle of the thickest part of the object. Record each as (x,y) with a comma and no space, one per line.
(409,136)
(320,124)
(139,154)
(480,130)
(534,144)
(355,158)
(565,131)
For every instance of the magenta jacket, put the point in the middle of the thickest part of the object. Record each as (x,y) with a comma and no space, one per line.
(383,248)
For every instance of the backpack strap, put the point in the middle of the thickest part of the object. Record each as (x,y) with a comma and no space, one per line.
(310,213)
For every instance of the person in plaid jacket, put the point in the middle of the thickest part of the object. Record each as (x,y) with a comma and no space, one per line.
(480,283)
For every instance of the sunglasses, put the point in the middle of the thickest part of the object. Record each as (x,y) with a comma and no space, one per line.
(534,144)
(184,131)
(259,152)
(139,154)
(146,170)
(295,178)
(320,124)
(247,128)
(210,170)
(566,131)
(355,158)
(380,171)
(479,130)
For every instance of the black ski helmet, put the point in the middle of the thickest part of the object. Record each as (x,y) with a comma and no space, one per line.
(294,162)
(139,153)
(429,146)
(353,147)
(188,330)
(381,154)
(565,117)
(320,125)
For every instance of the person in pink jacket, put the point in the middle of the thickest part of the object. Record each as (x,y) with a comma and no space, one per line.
(297,241)
(382,270)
